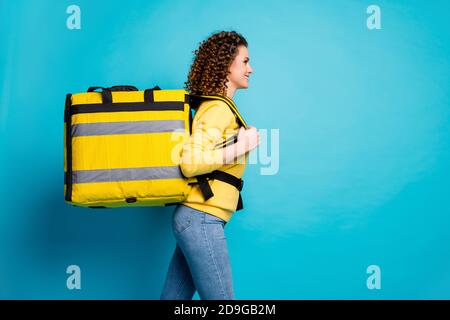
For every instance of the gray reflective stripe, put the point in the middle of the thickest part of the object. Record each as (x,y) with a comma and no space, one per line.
(127,174)
(126,127)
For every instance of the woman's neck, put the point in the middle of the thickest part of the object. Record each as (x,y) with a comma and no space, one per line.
(230,92)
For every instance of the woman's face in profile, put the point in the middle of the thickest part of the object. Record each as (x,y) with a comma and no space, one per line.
(240,69)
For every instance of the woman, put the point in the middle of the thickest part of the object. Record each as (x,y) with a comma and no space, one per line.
(201,261)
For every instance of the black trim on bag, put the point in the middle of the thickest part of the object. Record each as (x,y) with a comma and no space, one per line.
(171,204)
(148,96)
(68,120)
(187,100)
(131,200)
(127,106)
(191,120)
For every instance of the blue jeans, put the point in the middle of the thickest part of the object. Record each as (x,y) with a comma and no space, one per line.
(200,261)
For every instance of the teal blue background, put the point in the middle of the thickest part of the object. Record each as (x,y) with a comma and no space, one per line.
(363,117)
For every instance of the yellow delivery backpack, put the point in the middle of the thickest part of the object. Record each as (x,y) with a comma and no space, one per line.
(122,147)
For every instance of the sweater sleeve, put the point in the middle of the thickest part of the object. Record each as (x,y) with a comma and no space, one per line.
(198,155)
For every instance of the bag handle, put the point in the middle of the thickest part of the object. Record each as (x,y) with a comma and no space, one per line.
(123,88)
(148,94)
(107,92)
(114,88)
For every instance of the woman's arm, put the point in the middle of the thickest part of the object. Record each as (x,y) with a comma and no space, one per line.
(199,155)
(247,141)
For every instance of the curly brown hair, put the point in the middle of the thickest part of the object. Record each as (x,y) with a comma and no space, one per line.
(211,63)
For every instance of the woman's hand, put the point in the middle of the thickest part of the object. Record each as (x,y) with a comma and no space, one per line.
(247,140)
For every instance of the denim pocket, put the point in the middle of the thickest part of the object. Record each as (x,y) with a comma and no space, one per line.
(214,227)
(182,219)
(209,218)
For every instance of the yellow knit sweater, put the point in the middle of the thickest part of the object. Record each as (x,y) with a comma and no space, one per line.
(213,124)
